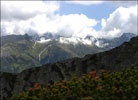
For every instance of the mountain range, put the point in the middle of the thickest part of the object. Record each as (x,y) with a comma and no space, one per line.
(116,59)
(20,52)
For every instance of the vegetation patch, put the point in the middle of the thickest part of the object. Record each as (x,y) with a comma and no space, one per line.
(121,85)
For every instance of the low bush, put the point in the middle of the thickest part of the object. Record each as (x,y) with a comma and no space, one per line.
(121,85)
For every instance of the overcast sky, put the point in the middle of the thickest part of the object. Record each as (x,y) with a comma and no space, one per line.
(69,18)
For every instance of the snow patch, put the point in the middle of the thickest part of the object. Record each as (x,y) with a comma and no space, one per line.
(75,40)
(100,44)
(34,45)
(43,40)
(43,51)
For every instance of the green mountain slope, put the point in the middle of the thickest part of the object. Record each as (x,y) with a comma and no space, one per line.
(20,52)
(18,55)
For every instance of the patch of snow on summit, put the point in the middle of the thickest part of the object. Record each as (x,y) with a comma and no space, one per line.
(43,40)
(75,40)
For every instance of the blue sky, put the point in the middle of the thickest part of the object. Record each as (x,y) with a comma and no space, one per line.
(92,11)
(97,12)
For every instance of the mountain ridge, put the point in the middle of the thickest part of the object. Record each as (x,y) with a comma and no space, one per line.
(117,59)
(24,51)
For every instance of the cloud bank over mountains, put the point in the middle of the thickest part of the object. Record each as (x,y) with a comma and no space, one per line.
(20,17)
(120,21)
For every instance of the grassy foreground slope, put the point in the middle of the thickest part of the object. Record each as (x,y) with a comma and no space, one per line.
(121,85)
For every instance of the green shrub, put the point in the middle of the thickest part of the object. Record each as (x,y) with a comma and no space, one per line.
(121,85)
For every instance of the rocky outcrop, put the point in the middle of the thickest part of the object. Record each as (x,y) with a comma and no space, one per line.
(116,59)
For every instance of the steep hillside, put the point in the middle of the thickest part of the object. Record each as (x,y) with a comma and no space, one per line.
(13,38)
(24,54)
(119,58)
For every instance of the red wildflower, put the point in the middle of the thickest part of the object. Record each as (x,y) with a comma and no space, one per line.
(93,73)
(62,86)
(63,81)
(102,71)
(97,78)
(86,98)
(100,86)
(36,85)
(56,83)
(30,89)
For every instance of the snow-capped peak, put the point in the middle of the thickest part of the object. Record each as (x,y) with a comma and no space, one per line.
(88,40)
(43,40)
(75,40)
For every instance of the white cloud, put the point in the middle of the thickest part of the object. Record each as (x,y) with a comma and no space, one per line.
(66,25)
(122,20)
(122,3)
(85,2)
(113,3)
(26,9)
(16,16)
(40,17)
